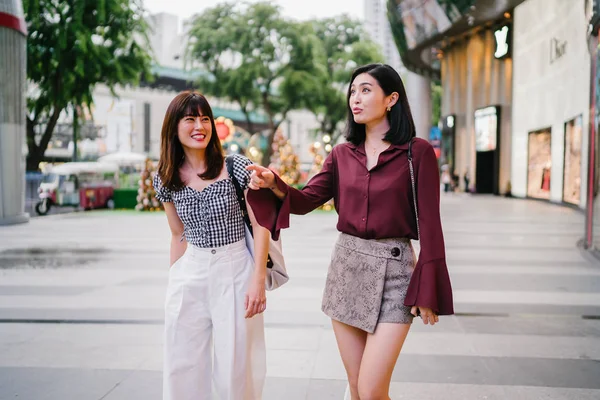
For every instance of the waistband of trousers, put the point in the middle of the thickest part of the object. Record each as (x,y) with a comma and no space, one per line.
(385,248)
(237,247)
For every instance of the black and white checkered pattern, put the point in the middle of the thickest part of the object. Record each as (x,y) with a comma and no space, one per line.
(212,217)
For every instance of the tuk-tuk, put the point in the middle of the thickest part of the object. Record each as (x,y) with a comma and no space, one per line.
(85,185)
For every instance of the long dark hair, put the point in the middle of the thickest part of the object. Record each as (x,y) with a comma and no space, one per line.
(185,104)
(402,127)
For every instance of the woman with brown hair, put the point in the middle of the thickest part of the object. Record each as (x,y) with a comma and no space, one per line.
(214,330)
(385,183)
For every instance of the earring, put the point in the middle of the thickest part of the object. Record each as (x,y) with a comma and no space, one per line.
(389,109)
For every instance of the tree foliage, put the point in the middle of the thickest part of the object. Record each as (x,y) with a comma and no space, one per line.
(345,47)
(73,45)
(256,58)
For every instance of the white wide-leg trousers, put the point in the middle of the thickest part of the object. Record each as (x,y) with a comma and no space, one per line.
(207,339)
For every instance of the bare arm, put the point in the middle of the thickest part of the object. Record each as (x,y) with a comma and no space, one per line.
(256,299)
(261,244)
(178,246)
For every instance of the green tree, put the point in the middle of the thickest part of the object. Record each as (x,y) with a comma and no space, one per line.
(256,58)
(73,45)
(436,102)
(211,37)
(345,47)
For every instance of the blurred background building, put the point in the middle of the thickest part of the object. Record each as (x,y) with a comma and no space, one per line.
(515,76)
(133,121)
(518,79)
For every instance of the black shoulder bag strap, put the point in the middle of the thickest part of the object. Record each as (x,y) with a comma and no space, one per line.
(412,181)
(239,192)
(242,200)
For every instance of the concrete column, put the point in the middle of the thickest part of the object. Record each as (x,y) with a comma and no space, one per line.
(418,90)
(13,72)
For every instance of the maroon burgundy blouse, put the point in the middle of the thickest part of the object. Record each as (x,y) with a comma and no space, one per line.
(376,204)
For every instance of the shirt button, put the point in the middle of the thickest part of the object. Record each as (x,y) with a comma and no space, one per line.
(364,219)
(213,251)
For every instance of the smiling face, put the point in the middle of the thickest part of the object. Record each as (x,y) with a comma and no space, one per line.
(367,100)
(195,131)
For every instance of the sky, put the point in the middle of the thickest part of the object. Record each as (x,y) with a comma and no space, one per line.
(296,9)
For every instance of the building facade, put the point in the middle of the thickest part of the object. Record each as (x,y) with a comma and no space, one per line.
(13,38)
(551,101)
(476,108)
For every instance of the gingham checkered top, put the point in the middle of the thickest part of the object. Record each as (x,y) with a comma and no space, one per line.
(212,217)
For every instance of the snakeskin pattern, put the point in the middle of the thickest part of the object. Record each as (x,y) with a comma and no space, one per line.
(367,282)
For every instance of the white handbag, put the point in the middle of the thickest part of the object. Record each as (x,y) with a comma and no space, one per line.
(276,272)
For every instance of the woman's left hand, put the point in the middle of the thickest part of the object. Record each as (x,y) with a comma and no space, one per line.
(256,298)
(426,314)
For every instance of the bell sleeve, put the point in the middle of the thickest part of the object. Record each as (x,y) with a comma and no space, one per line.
(430,283)
(274,214)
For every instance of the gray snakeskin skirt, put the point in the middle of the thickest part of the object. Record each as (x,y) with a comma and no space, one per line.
(367,282)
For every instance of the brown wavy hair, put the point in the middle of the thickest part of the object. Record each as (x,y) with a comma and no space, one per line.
(188,103)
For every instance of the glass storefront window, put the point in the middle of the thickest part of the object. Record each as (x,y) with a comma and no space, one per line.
(539,164)
(572,172)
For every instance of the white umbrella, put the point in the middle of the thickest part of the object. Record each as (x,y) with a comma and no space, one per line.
(124,158)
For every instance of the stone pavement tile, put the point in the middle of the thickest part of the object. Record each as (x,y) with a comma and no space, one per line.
(107,357)
(519,255)
(283,318)
(527,297)
(436,391)
(510,371)
(527,282)
(15,334)
(541,325)
(290,363)
(286,388)
(292,338)
(328,363)
(476,306)
(527,270)
(39,290)
(55,384)
(331,389)
(101,335)
(139,385)
(490,345)
(48,312)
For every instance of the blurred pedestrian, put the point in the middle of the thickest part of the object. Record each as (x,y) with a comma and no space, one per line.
(216,292)
(446,180)
(374,285)
(466,179)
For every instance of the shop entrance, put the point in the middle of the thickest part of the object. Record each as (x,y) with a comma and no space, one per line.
(487,147)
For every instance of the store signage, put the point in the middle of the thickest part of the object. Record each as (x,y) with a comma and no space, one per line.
(502,47)
(558,49)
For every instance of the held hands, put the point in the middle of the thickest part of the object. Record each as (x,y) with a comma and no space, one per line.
(261,178)
(256,299)
(426,314)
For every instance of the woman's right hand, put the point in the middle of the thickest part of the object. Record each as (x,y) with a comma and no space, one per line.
(261,178)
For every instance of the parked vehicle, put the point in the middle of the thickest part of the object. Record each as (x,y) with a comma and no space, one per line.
(86,185)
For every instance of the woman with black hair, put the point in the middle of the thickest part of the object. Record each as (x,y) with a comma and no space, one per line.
(385,184)
(214,329)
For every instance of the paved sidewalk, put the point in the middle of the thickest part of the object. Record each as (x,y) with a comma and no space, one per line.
(81,300)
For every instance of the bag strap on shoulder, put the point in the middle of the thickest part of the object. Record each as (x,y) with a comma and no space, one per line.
(412,181)
(238,191)
(242,200)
